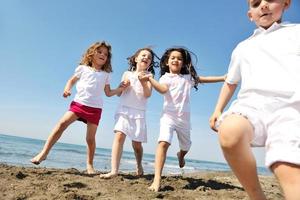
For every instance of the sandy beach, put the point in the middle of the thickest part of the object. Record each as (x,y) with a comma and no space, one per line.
(47,183)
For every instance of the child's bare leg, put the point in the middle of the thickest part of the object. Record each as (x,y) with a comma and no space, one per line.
(160,158)
(64,122)
(289,179)
(138,152)
(91,147)
(116,154)
(180,156)
(235,134)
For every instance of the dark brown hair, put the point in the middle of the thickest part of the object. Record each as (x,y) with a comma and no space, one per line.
(132,63)
(187,66)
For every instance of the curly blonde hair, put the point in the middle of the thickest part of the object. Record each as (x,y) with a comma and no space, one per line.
(88,56)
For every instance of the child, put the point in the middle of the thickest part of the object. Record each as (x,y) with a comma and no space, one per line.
(267,109)
(93,76)
(130,115)
(178,76)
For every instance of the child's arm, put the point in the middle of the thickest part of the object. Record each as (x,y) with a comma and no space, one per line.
(212,79)
(224,97)
(147,87)
(111,92)
(118,91)
(124,84)
(69,85)
(161,88)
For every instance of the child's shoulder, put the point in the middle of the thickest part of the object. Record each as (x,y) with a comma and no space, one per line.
(82,67)
(295,27)
(127,74)
(169,76)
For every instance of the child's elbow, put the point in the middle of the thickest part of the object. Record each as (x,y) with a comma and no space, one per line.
(108,93)
(147,95)
(163,90)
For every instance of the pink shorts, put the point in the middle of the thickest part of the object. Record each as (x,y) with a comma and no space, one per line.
(86,113)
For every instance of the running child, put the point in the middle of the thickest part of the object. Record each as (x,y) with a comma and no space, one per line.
(93,78)
(178,76)
(267,109)
(130,116)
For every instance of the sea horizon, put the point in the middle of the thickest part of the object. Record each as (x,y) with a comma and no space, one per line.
(17,150)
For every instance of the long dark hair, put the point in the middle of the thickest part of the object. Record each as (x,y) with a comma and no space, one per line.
(187,66)
(132,63)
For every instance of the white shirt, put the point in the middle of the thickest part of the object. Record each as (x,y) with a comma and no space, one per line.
(267,64)
(177,98)
(90,86)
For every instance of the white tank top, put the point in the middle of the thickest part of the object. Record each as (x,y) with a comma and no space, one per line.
(133,96)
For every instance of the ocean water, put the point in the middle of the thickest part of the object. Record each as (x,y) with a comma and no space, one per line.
(19,150)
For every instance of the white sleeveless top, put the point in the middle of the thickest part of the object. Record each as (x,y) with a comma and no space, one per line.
(133,96)
(132,100)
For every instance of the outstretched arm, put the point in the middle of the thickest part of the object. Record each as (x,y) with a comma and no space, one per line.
(212,79)
(224,97)
(124,83)
(111,92)
(70,83)
(161,88)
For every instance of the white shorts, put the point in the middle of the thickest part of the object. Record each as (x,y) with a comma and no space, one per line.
(276,126)
(167,129)
(135,129)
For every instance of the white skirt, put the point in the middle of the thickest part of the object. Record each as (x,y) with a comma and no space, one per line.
(132,123)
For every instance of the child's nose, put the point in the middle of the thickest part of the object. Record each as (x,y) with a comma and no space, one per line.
(264,5)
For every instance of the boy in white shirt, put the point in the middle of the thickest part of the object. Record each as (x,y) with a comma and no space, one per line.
(267,109)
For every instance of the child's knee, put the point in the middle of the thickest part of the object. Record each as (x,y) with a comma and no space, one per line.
(63,124)
(163,145)
(137,146)
(120,137)
(235,130)
(90,140)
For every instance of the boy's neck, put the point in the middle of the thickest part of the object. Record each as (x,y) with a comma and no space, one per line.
(266,28)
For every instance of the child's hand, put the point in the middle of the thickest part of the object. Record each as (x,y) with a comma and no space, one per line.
(144,76)
(66,93)
(124,84)
(213,119)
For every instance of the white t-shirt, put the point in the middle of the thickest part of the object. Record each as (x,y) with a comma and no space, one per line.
(177,98)
(267,64)
(90,86)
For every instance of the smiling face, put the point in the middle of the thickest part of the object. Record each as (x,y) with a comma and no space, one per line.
(100,57)
(175,62)
(143,60)
(265,12)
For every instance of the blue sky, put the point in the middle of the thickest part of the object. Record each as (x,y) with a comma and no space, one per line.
(41,43)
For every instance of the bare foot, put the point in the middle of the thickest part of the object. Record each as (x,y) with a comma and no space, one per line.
(38,159)
(140,171)
(155,187)
(181,160)
(90,170)
(108,175)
